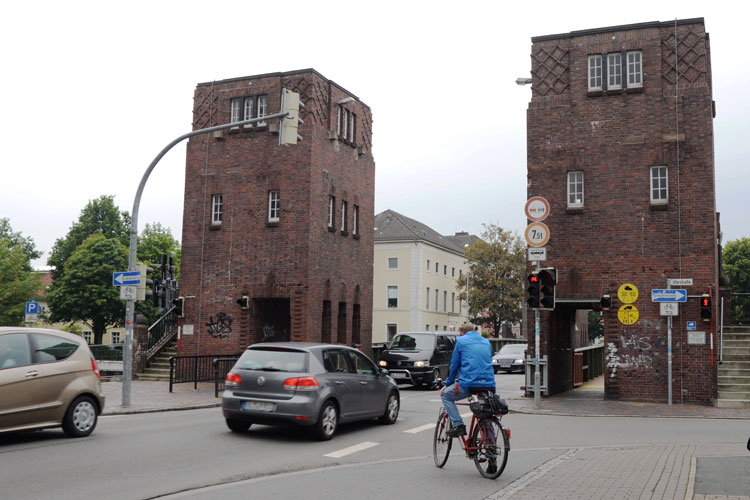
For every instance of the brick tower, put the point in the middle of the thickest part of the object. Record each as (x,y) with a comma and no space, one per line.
(620,142)
(277,241)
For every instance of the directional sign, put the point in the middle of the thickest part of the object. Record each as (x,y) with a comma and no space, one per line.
(126,278)
(676,295)
(32,307)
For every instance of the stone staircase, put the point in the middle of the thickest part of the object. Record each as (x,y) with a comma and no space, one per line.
(734,372)
(158,369)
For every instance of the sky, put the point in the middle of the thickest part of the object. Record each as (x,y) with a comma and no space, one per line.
(94,90)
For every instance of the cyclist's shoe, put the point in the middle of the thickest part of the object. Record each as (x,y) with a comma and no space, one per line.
(492,466)
(459,430)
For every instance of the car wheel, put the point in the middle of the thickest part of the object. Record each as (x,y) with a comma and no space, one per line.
(327,421)
(81,417)
(391,410)
(238,425)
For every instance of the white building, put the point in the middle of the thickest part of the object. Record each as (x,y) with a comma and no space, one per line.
(414,279)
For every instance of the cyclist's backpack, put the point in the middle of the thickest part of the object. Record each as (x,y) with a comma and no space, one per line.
(487,406)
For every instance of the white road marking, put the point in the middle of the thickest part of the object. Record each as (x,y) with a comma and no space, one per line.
(420,428)
(352,449)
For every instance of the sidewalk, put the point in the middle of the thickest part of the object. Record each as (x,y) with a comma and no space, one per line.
(148,397)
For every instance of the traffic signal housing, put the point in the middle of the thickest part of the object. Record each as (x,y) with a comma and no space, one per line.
(290,103)
(244,302)
(605,302)
(145,287)
(179,306)
(706,307)
(547,282)
(534,290)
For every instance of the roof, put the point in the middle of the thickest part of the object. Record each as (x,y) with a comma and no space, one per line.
(625,27)
(463,239)
(392,226)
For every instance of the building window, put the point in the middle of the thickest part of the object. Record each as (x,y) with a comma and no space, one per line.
(217,209)
(343,216)
(392,262)
(659,185)
(635,69)
(392,296)
(331,211)
(343,123)
(575,189)
(352,121)
(115,338)
(427,304)
(355,220)
(453,302)
(428,265)
(453,272)
(437,267)
(338,120)
(87,335)
(274,205)
(614,71)
(427,327)
(445,301)
(390,330)
(595,72)
(437,297)
(445,270)
(247,108)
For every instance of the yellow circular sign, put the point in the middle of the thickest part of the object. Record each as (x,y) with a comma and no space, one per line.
(627,314)
(627,293)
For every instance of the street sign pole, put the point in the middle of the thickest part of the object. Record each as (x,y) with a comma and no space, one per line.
(669,355)
(127,354)
(537,375)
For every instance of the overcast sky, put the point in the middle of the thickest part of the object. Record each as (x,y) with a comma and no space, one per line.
(94,90)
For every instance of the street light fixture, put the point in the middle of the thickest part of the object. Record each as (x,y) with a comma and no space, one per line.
(523,81)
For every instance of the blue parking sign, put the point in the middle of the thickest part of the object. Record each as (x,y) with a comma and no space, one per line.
(32,307)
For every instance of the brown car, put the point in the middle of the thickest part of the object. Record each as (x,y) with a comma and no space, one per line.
(48,378)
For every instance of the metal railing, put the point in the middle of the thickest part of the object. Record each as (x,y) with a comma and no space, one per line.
(106,352)
(221,368)
(162,331)
(183,369)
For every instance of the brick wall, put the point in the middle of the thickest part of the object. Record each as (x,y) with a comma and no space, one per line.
(619,237)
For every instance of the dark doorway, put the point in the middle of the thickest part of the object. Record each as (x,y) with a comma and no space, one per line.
(356,326)
(325,334)
(273,320)
(341,324)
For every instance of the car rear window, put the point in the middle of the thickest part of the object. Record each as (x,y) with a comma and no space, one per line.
(51,348)
(273,360)
(513,349)
(412,342)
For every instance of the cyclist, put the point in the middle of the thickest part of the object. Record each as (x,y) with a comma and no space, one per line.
(472,362)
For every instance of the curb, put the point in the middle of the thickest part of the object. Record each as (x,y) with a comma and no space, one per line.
(133,411)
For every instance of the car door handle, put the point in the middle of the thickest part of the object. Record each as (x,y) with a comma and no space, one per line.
(32,374)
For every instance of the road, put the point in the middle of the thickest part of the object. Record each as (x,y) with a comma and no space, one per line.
(191,454)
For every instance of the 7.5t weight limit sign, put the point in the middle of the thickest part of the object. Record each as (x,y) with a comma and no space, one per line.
(537,234)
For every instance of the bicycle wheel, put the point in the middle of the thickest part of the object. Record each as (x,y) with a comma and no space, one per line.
(441,444)
(492,448)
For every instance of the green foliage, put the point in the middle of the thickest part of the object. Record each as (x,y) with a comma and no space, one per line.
(596,328)
(100,216)
(496,274)
(18,283)
(736,266)
(84,292)
(13,239)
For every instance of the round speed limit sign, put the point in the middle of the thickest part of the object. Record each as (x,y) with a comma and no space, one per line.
(537,234)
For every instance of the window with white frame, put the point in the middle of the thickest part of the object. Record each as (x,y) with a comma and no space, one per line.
(392,262)
(614,71)
(355,219)
(393,296)
(87,336)
(115,338)
(659,185)
(427,303)
(343,215)
(352,121)
(575,189)
(635,69)
(391,329)
(217,209)
(331,211)
(247,108)
(274,205)
(595,72)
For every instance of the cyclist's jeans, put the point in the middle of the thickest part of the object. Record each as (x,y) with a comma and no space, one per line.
(449,398)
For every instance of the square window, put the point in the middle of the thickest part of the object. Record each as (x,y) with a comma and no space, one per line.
(614,71)
(659,185)
(217,209)
(575,189)
(392,296)
(392,262)
(115,338)
(595,72)
(274,205)
(635,69)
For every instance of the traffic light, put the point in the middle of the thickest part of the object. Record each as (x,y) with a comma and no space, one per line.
(547,282)
(534,290)
(179,306)
(706,307)
(244,302)
(290,103)
(605,302)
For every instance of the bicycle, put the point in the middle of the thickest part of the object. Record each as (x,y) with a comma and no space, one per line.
(488,442)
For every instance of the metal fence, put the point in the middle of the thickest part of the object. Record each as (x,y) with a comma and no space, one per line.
(106,352)
(221,368)
(183,369)
(164,327)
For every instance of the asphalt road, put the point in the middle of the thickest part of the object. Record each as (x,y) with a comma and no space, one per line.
(191,454)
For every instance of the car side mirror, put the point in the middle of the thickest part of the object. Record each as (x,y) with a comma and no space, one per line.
(383,372)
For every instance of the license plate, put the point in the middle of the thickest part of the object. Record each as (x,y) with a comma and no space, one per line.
(258,406)
(505,365)
(399,375)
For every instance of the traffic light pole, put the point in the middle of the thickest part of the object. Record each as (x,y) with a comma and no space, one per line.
(537,375)
(127,355)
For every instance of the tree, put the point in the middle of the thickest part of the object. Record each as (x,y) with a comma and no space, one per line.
(736,266)
(495,277)
(154,241)
(18,283)
(84,292)
(100,216)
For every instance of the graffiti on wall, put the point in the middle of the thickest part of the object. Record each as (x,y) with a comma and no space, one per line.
(221,327)
(633,353)
(268,332)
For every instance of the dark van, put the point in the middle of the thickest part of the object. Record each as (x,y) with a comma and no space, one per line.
(419,358)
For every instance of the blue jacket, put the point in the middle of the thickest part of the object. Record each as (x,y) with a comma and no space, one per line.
(472,361)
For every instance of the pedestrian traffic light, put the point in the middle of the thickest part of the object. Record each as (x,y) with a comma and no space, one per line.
(706,307)
(179,306)
(533,290)
(547,282)
(605,302)
(290,104)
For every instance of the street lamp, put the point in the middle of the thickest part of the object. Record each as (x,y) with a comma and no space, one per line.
(468,273)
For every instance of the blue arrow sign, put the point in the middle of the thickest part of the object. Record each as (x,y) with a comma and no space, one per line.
(669,295)
(126,278)
(32,307)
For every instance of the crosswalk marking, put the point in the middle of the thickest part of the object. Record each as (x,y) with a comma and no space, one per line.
(352,449)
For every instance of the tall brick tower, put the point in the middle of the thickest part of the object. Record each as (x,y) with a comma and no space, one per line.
(620,142)
(277,241)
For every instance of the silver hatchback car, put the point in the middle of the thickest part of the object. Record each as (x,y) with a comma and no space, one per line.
(307,384)
(48,378)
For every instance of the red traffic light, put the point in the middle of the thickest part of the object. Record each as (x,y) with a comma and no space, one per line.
(533,278)
(706,302)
